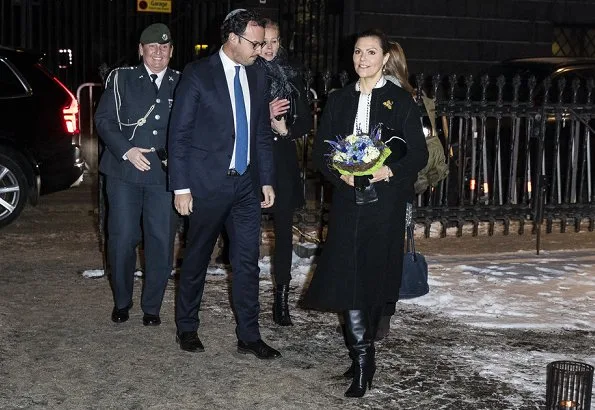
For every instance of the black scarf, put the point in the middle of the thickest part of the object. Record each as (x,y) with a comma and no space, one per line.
(280,73)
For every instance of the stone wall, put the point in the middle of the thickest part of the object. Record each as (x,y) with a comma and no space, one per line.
(468,36)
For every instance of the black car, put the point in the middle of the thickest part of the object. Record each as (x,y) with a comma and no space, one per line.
(39,133)
(554,68)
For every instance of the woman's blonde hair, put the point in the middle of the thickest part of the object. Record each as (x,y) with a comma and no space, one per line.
(268,23)
(397,65)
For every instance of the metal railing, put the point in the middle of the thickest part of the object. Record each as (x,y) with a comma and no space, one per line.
(518,150)
(87,100)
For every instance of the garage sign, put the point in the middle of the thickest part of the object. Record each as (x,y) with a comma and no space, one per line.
(154,6)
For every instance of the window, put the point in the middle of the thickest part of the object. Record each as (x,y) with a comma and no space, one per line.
(10,85)
(574,41)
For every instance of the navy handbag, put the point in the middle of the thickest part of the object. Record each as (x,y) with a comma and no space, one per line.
(414,281)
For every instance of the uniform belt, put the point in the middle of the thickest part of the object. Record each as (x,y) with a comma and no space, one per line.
(233,173)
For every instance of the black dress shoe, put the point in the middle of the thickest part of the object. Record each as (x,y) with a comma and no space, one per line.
(259,349)
(151,320)
(120,315)
(190,342)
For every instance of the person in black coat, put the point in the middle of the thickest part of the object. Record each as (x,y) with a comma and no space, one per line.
(359,270)
(290,119)
(132,119)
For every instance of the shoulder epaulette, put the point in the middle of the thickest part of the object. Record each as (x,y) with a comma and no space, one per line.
(115,70)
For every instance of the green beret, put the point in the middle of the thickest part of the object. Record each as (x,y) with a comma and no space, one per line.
(155,33)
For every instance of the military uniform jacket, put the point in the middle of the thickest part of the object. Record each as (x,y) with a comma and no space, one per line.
(131,114)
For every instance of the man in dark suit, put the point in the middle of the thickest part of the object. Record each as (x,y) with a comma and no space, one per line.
(220,161)
(132,119)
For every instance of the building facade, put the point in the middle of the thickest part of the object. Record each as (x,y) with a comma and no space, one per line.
(84,38)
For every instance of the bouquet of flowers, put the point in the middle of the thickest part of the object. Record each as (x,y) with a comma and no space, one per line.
(359,154)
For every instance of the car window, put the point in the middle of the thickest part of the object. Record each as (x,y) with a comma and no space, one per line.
(10,84)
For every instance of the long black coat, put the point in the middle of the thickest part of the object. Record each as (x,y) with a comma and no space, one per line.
(288,187)
(362,258)
(286,82)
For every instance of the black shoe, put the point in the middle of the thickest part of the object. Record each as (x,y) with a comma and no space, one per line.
(259,349)
(190,342)
(151,320)
(120,315)
(281,306)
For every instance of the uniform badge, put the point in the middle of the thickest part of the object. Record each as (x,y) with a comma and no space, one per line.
(164,37)
(388,104)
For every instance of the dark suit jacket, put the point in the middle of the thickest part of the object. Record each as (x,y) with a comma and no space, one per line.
(137,94)
(202,131)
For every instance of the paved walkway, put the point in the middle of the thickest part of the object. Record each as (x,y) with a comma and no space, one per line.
(59,349)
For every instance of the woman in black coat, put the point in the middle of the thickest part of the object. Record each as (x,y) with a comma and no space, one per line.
(290,119)
(360,268)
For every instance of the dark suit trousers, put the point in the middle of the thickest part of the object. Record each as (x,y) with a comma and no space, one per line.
(237,208)
(127,204)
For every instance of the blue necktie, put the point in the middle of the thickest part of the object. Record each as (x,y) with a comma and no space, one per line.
(241,125)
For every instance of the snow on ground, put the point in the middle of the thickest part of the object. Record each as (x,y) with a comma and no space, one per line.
(512,290)
(517,291)
(550,292)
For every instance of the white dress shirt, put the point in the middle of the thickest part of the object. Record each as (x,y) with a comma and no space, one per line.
(362,118)
(159,75)
(229,67)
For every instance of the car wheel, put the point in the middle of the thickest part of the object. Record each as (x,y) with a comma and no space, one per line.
(13,190)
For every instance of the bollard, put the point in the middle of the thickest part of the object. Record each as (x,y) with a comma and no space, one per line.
(568,385)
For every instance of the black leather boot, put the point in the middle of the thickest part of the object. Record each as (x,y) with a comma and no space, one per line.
(359,337)
(376,323)
(281,306)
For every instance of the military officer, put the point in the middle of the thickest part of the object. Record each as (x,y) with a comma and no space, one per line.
(132,120)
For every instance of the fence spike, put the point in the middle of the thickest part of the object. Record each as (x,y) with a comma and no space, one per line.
(516,84)
(561,83)
(500,82)
(531,83)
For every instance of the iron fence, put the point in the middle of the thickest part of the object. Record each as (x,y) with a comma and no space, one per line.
(517,150)
(524,159)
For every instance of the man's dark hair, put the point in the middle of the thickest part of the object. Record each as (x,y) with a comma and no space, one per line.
(237,23)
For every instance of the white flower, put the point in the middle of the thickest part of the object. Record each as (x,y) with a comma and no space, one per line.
(339,157)
(370,154)
(351,139)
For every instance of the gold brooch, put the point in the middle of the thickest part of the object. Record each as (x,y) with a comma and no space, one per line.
(388,104)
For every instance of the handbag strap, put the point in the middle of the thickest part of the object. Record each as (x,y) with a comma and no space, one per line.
(409,214)
(410,226)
